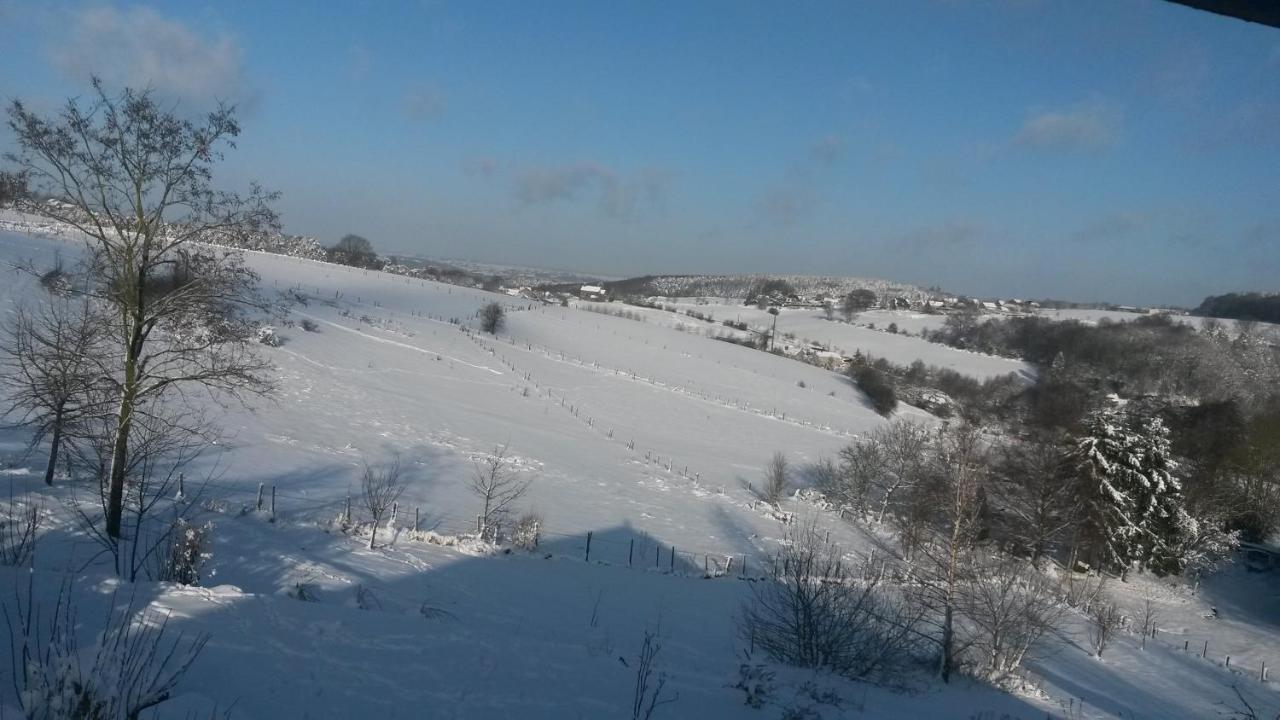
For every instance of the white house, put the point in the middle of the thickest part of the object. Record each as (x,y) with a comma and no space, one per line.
(593,292)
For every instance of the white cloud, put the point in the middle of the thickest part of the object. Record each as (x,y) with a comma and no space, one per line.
(140,48)
(617,195)
(1085,126)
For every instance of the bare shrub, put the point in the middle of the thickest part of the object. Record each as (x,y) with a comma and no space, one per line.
(19,526)
(1149,614)
(820,614)
(188,547)
(1010,608)
(498,486)
(309,325)
(1104,620)
(380,489)
(135,664)
(648,696)
(1082,593)
(524,534)
(776,477)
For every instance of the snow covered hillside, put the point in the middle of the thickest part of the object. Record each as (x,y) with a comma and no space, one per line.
(807,326)
(646,447)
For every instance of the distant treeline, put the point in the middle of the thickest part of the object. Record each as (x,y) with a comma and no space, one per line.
(1242,306)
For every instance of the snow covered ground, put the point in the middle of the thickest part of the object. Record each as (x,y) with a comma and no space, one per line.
(641,441)
(809,326)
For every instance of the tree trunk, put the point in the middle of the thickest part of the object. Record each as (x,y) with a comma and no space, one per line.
(124,422)
(944,669)
(373,534)
(54,443)
(119,463)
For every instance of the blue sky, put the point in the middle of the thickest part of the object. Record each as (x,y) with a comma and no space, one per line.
(1122,151)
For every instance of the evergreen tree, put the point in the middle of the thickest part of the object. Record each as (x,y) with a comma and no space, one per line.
(1132,501)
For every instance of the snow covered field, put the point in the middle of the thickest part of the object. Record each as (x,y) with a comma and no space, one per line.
(642,441)
(809,326)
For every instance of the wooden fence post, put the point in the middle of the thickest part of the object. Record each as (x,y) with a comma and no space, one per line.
(415,519)
(273,503)
(588,557)
(631,551)
(673,558)
(348,509)
(1205,652)
(261,486)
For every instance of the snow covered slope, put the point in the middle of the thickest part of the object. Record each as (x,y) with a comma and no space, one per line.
(641,442)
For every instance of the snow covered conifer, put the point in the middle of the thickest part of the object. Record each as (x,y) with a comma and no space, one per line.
(1132,500)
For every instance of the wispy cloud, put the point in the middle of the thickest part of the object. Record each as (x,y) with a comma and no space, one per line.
(795,197)
(140,48)
(616,194)
(828,151)
(485,166)
(1112,226)
(950,234)
(423,104)
(1090,126)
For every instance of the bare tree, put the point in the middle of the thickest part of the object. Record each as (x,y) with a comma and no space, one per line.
(499,487)
(51,362)
(165,440)
(862,465)
(1037,494)
(944,564)
(1011,608)
(137,180)
(1149,613)
(903,453)
(381,488)
(825,613)
(492,317)
(776,477)
(1104,620)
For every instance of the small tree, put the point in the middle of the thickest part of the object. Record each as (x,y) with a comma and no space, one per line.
(381,488)
(823,613)
(945,563)
(855,302)
(1010,608)
(354,250)
(1131,499)
(1105,620)
(51,361)
(492,317)
(13,187)
(776,475)
(1035,490)
(136,180)
(498,488)
(877,386)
